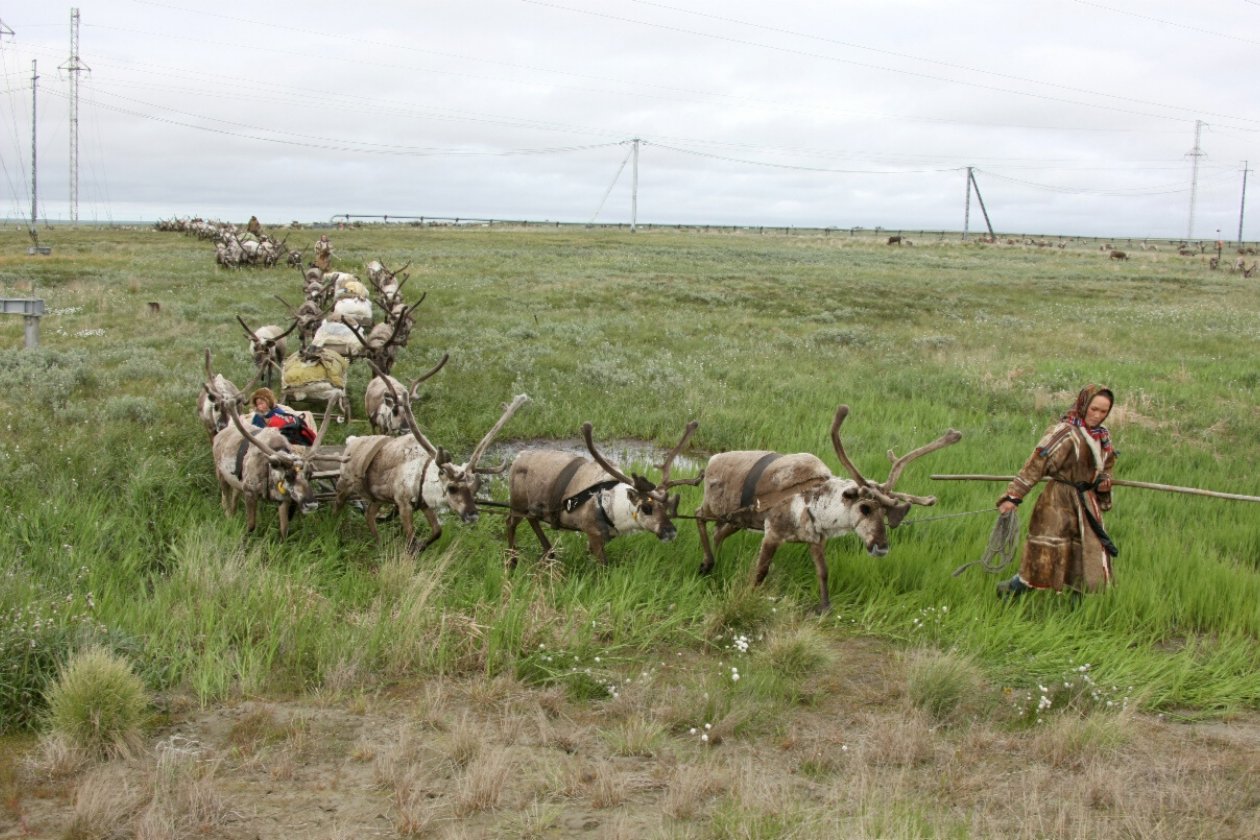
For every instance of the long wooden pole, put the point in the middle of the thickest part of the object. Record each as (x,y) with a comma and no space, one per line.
(1118,482)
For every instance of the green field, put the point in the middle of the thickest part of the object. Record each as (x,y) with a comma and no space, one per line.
(113,530)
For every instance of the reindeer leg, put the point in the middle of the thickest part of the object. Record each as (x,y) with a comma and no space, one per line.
(596,543)
(284,519)
(819,552)
(706,565)
(542,538)
(435,528)
(769,545)
(251,512)
(370,512)
(720,535)
(513,520)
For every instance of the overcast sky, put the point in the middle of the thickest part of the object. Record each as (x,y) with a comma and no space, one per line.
(1078,116)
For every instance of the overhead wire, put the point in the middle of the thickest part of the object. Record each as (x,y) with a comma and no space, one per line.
(936,78)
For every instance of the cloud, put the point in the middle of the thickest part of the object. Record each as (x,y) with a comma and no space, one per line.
(1078,119)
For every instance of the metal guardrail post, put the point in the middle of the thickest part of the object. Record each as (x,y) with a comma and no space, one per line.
(31,310)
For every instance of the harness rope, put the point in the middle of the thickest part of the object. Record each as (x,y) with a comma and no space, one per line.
(1002,544)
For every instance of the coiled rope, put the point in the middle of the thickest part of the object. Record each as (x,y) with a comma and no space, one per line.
(1002,544)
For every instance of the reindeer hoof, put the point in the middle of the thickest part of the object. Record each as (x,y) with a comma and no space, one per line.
(822,609)
(705,569)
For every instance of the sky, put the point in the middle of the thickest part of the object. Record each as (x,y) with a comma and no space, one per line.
(1076,117)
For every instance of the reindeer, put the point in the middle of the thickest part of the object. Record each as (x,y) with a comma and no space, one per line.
(267,346)
(217,393)
(571,493)
(795,498)
(263,465)
(1118,255)
(409,472)
(386,401)
(382,344)
(308,317)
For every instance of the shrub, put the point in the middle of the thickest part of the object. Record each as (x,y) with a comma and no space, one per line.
(98,702)
(941,684)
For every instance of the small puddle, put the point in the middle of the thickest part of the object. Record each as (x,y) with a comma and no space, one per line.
(637,454)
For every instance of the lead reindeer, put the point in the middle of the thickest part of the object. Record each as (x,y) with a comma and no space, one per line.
(596,498)
(409,472)
(262,465)
(795,498)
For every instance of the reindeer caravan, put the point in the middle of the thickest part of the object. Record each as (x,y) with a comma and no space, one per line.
(335,325)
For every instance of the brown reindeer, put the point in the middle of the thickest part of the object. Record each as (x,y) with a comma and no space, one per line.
(570,493)
(795,498)
(1118,255)
(262,465)
(386,401)
(266,345)
(409,472)
(217,393)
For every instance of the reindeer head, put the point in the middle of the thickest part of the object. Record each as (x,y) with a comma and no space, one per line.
(876,507)
(288,470)
(654,507)
(264,341)
(459,483)
(392,413)
(218,396)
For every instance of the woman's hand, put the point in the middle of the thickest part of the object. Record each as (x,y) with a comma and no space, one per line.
(1104,486)
(1006,506)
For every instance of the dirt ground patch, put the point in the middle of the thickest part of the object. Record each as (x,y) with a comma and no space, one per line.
(474,758)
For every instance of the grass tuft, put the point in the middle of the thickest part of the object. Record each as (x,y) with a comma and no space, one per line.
(98,703)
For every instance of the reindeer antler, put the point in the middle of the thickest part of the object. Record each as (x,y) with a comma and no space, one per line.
(898,464)
(323,425)
(245,327)
(841,413)
(601,460)
(236,419)
(511,409)
(414,385)
(666,483)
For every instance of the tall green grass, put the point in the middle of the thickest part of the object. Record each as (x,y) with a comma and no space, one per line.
(111,508)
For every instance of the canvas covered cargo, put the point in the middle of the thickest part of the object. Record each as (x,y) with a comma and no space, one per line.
(302,379)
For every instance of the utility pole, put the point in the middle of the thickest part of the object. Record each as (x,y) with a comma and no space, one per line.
(972,183)
(34,168)
(75,66)
(967,207)
(634,188)
(1242,205)
(1194,155)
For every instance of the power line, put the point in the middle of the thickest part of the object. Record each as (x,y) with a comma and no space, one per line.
(1184,26)
(935,78)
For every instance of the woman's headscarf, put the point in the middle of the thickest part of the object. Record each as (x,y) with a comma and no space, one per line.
(1076,414)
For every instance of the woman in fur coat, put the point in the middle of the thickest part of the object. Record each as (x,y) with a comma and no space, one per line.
(1067,548)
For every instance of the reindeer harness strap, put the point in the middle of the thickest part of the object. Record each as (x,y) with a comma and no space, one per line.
(578,499)
(240,460)
(555,499)
(749,493)
(360,475)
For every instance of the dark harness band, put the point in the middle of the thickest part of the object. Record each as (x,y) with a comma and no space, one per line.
(555,500)
(580,498)
(749,492)
(240,459)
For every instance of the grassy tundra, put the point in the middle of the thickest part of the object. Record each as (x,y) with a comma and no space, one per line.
(918,707)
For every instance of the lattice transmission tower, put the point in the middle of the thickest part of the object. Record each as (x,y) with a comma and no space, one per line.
(75,67)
